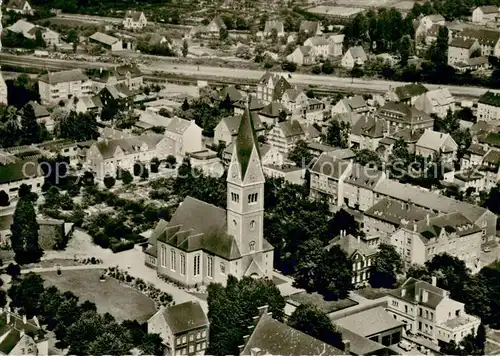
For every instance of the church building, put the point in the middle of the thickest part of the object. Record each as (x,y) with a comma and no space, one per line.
(203,243)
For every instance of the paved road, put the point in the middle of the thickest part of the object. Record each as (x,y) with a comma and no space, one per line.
(204,72)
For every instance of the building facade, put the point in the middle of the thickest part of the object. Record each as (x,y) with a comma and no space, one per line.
(64,85)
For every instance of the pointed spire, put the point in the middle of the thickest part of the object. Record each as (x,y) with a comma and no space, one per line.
(246,140)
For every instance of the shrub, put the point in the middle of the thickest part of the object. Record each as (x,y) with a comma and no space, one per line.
(126,177)
(13,270)
(316,70)
(171,161)
(289,66)
(155,163)
(122,246)
(109,182)
(138,169)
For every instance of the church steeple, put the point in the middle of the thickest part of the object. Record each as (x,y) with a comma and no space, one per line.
(246,141)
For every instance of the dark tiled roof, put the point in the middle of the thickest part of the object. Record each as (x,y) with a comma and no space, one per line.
(246,141)
(184,317)
(460,42)
(369,125)
(40,111)
(273,110)
(477,149)
(360,345)
(233,93)
(275,338)
(350,245)
(492,139)
(484,37)
(408,135)
(197,225)
(490,98)
(330,166)
(492,157)
(403,112)
(397,213)
(451,223)
(129,145)
(309,26)
(364,176)
(369,322)
(18,171)
(233,123)
(413,290)
(291,128)
(134,15)
(489,9)
(16,4)
(410,90)
(255,104)
(72,75)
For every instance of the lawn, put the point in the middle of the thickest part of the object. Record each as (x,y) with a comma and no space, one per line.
(491,349)
(318,300)
(121,301)
(372,293)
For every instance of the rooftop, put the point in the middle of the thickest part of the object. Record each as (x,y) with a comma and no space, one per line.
(490,98)
(408,91)
(104,38)
(369,322)
(413,293)
(73,75)
(397,213)
(330,166)
(185,316)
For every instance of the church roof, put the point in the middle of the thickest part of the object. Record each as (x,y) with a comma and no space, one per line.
(197,225)
(246,141)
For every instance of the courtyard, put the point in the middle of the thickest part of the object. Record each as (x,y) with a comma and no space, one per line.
(121,301)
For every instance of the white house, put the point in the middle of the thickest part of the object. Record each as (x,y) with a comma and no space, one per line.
(425,25)
(186,135)
(19,6)
(438,102)
(488,107)
(302,56)
(355,104)
(320,46)
(460,50)
(274,25)
(135,20)
(63,85)
(337,44)
(226,130)
(436,145)
(106,41)
(354,55)
(312,28)
(13,175)
(294,100)
(484,14)
(29,31)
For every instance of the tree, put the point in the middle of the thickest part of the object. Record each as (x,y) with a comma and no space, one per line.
(274,35)
(357,71)
(368,157)
(439,52)
(334,274)
(39,40)
(154,164)
(171,161)
(24,238)
(185,48)
(4,198)
(313,321)
(13,270)
(387,265)
(138,168)
(77,126)
(185,105)
(125,176)
(3,299)
(109,181)
(29,126)
(337,134)
(327,67)
(25,294)
(310,93)
(404,50)
(289,66)
(52,198)
(223,34)
(300,154)
(344,221)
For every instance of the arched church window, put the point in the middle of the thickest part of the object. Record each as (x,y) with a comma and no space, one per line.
(222,268)
(252,198)
(252,224)
(252,245)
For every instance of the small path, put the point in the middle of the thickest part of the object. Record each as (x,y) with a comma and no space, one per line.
(359,298)
(62,268)
(493,341)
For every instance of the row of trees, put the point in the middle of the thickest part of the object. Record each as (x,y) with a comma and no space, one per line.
(77,325)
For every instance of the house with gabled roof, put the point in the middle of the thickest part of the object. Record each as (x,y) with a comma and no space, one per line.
(272,112)
(216,25)
(285,135)
(367,132)
(425,24)
(203,243)
(428,311)
(437,145)
(320,46)
(312,28)
(22,336)
(302,56)
(294,100)
(484,14)
(19,6)
(129,75)
(358,186)
(407,93)
(355,104)
(438,102)
(461,49)
(135,20)
(488,40)
(184,328)
(15,174)
(488,107)
(276,25)
(106,41)
(186,134)
(271,87)
(400,116)
(354,56)
(226,130)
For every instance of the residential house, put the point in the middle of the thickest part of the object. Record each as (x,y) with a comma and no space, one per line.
(359,183)
(128,75)
(326,181)
(272,113)
(336,45)
(425,24)
(375,324)
(488,107)
(271,87)
(354,56)
(355,104)
(106,156)
(407,94)
(320,46)
(13,175)
(186,135)
(3,90)
(85,104)
(436,203)
(302,56)
(437,145)
(221,242)
(388,215)
(19,6)
(117,95)
(184,328)
(267,336)
(57,86)
(488,40)
(22,336)
(294,100)
(314,112)
(361,256)
(226,130)
(134,20)
(106,41)
(460,50)
(312,28)
(432,34)
(42,115)
(474,156)
(490,167)
(231,92)
(276,25)
(484,14)
(409,136)
(474,63)
(428,311)
(467,179)
(29,31)
(284,135)
(399,116)
(269,155)
(367,132)
(255,104)
(438,102)
(216,25)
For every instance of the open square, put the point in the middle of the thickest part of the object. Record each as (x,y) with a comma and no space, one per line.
(121,301)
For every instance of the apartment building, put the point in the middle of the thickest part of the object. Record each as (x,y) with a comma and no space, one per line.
(428,311)
(13,175)
(54,87)
(271,87)
(438,102)
(460,50)
(358,186)
(452,233)
(407,94)
(285,135)
(399,116)
(488,107)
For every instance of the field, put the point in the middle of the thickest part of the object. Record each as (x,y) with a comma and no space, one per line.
(338,11)
(120,301)
(345,8)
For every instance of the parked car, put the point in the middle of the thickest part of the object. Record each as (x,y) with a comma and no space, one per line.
(405,345)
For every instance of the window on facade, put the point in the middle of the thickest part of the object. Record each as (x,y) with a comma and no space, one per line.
(222,268)
(163,256)
(184,339)
(235,198)
(252,198)
(252,225)
(203,345)
(406,308)
(198,335)
(183,264)
(172,260)
(204,333)
(191,337)
(191,349)
(252,245)
(196,265)
(210,266)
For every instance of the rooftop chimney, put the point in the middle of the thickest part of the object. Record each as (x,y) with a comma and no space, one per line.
(427,219)
(25,320)
(434,280)
(403,292)
(425,296)
(347,346)
(255,351)
(414,227)
(359,239)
